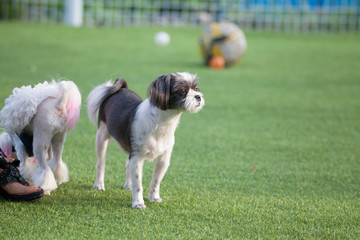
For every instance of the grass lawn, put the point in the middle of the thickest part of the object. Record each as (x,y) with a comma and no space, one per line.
(274,154)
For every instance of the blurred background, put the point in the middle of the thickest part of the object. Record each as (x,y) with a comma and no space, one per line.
(274,154)
(294,16)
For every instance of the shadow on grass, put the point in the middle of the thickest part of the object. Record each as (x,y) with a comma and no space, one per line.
(83,195)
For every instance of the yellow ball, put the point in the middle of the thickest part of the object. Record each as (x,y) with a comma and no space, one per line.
(222,39)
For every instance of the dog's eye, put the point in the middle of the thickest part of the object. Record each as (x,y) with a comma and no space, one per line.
(183,91)
(197,89)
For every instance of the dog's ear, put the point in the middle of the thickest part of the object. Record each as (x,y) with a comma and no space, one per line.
(159,91)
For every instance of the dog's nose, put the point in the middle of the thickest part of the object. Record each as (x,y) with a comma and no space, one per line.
(198,97)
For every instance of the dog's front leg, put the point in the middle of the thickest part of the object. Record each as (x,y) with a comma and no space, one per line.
(135,170)
(160,168)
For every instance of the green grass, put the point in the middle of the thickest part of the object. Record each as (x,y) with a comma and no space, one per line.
(274,154)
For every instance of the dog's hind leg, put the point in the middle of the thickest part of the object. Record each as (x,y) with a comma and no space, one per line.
(101,144)
(127,184)
(56,164)
(43,176)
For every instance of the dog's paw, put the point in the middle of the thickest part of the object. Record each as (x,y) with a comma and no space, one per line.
(158,200)
(99,187)
(61,173)
(45,179)
(127,186)
(28,167)
(154,197)
(139,206)
(47,193)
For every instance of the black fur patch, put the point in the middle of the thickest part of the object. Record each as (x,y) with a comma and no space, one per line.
(159,91)
(118,112)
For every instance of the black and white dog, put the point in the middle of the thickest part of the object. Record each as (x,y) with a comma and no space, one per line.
(143,129)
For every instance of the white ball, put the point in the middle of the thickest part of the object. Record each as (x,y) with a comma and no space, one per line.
(162,38)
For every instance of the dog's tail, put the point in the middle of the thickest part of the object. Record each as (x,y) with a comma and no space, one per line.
(6,143)
(99,94)
(70,102)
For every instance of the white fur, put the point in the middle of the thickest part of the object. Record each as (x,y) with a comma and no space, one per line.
(94,100)
(28,167)
(153,129)
(102,142)
(191,105)
(44,178)
(60,171)
(187,76)
(53,110)
(6,143)
(21,106)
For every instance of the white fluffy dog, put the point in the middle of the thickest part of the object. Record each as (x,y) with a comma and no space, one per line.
(44,113)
